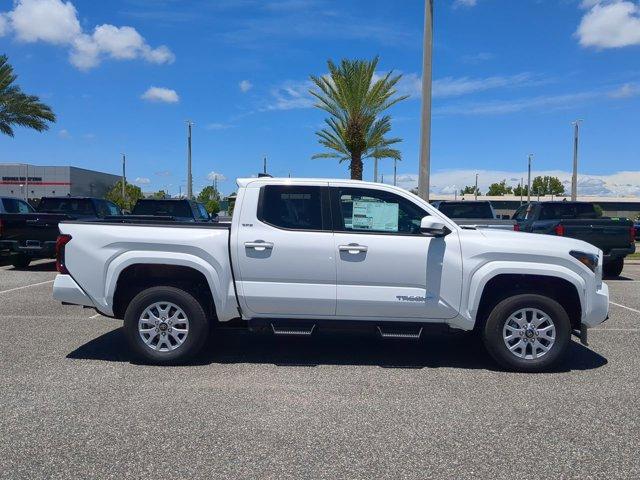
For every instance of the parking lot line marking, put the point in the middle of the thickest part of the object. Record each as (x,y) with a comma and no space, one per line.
(25,286)
(614,329)
(624,306)
(96,315)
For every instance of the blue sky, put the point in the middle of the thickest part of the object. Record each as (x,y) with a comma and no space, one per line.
(509,78)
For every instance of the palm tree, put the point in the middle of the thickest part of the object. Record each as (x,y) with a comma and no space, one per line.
(355,97)
(17,108)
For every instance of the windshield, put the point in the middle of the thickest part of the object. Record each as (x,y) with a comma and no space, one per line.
(163,208)
(73,206)
(466,210)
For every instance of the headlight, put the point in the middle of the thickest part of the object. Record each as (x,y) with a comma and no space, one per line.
(590,260)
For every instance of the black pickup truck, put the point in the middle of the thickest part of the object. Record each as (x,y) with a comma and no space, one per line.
(179,209)
(581,220)
(27,234)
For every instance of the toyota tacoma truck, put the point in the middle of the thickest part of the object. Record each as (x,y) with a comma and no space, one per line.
(616,237)
(301,255)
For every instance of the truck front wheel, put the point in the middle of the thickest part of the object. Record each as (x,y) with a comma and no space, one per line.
(527,333)
(165,325)
(613,268)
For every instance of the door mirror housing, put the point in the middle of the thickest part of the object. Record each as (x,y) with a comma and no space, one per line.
(433,227)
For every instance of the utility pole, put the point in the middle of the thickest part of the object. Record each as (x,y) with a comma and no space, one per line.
(529,179)
(124,178)
(375,170)
(264,165)
(574,177)
(26,182)
(395,172)
(425,128)
(189,176)
(475,192)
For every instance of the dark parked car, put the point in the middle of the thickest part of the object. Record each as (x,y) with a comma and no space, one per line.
(179,209)
(581,220)
(473,213)
(27,234)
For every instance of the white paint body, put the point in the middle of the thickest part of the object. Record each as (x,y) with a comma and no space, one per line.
(307,275)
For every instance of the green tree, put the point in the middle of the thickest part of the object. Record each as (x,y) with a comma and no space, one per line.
(159,195)
(18,108)
(499,189)
(133,194)
(208,193)
(469,190)
(520,190)
(547,186)
(355,100)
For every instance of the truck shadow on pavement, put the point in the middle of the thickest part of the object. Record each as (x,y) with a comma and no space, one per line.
(238,346)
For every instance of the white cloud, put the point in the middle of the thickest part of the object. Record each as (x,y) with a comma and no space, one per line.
(291,95)
(625,91)
(4,25)
(160,94)
(56,22)
(245,86)
(609,24)
(142,181)
(446,182)
(64,133)
(465,3)
(217,126)
(216,176)
(163,173)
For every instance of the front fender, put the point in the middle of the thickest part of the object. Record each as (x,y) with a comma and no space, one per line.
(484,274)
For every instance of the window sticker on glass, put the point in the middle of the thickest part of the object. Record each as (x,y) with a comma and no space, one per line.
(378,216)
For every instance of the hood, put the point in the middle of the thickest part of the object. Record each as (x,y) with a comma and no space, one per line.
(535,242)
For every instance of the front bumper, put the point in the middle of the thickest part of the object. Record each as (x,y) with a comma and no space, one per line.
(598,309)
(66,290)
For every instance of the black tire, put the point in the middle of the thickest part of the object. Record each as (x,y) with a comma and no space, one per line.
(496,345)
(198,330)
(613,268)
(20,261)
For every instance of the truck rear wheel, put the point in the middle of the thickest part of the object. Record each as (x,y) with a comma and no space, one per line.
(20,261)
(613,268)
(165,325)
(527,333)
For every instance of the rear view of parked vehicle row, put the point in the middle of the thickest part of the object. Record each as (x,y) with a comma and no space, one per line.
(301,255)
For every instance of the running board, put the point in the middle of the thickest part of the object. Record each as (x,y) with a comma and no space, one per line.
(400,333)
(301,330)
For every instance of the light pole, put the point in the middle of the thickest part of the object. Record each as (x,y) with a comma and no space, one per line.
(375,170)
(475,192)
(189,176)
(574,177)
(529,179)
(124,177)
(395,172)
(521,189)
(425,129)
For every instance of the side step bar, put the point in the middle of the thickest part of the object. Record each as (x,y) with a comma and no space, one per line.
(400,333)
(298,330)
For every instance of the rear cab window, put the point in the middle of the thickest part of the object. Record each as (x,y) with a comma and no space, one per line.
(71,206)
(293,207)
(15,205)
(555,211)
(163,208)
(467,210)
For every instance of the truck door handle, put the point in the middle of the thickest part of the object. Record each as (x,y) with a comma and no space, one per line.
(353,248)
(259,245)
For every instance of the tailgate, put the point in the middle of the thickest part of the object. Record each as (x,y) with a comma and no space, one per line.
(605,234)
(34,228)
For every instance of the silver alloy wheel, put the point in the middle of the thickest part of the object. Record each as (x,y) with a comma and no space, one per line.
(529,333)
(163,326)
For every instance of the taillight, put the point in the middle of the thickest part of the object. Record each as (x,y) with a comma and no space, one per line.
(632,235)
(60,243)
(516,228)
(559,230)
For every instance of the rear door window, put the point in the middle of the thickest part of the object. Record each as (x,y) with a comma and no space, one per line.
(14,205)
(291,206)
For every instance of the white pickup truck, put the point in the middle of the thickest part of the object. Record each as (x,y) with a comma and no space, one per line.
(303,254)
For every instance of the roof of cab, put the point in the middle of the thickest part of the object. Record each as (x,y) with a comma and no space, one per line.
(243,182)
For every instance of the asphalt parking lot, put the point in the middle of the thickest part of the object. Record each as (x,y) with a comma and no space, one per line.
(73,405)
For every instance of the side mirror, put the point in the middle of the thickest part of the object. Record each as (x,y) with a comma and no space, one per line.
(433,227)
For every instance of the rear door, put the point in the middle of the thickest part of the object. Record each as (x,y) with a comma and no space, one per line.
(285,251)
(385,266)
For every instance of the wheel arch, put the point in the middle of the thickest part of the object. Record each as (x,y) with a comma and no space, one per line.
(494,284)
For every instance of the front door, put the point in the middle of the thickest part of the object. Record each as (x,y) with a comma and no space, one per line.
(285,251)
(386,267)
